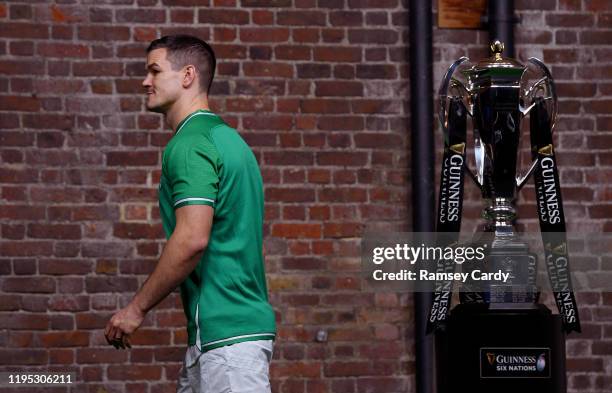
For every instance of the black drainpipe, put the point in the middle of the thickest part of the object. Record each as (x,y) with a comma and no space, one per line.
(422,163)
(501,21)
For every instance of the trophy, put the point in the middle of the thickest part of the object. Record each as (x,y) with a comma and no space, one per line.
(499,337)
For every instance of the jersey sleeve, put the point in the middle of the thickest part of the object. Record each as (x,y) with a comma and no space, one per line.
(193,173)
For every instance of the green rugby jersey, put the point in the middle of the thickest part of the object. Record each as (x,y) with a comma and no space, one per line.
(225,298)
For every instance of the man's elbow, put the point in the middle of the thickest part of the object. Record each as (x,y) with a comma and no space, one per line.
(190,244)
(197,244)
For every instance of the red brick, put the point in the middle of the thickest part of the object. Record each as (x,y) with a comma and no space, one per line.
(100,355)
(576,89)
(344,229)
(182,16)
(267,122)
(597,5)
(100,15)
(150,337)
(29,284)
(121,158)
(337,88)
(604,20)
(18,175)
(594,72)
(283,52)
(344,194)
(342,158)
(54,231)
(339,140)
(584,365)
(266,3)
(534,36)
(573,20)
(313,70)
(22,67)
(63,50)
(288,158)
(258,35)
(24,30)
(346,18)
(98,69)
(297,230)
(104,33)
(230,51)
(21,48)
(111,284)
(347,369)
(59,86)
(372,3)
(371,71)
(26,248)
(382,384)
(301,18)
(373,36)
(14,232)
(61,356)
(289,194)
(137,231)
(23,357)
(301,300)
(92,105)
(135,372)
(19,103)
(297,369)
(140,15)
(64,267)
(536,4)
(64,339)
(294,176)
(303,263)
(72,285)
(305,35)
(95,320)
(249,105)
(268,69)
(223,16)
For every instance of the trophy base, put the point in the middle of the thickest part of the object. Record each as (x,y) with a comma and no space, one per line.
(501,348)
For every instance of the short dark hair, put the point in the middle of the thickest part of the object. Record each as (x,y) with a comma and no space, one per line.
(184,50)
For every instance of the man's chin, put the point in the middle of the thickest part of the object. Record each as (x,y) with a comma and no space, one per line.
(155,108)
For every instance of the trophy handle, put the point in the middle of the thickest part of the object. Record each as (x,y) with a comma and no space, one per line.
(521,180)
(546,84)
(452,86)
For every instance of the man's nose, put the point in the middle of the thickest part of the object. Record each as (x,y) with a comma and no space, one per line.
(146,82)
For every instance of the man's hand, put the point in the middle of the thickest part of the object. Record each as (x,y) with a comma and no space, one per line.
(179,257)
(122,325)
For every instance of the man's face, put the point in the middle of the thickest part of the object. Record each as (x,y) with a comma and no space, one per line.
(162,83)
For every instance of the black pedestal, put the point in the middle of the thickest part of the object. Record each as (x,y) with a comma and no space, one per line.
(501,348)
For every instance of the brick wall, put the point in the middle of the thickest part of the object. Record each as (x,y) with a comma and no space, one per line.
(319,89)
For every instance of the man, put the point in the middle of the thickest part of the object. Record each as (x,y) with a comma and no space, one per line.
(211,205)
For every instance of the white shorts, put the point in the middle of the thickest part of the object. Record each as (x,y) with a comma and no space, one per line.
(237,368)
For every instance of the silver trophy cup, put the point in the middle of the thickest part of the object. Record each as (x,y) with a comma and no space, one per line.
(497,94)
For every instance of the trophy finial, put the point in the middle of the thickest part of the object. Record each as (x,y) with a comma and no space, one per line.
(497,47)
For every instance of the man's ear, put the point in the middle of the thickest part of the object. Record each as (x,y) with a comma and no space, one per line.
(190,76)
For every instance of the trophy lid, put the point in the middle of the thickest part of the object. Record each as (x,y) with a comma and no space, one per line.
(496,70)
(497,61)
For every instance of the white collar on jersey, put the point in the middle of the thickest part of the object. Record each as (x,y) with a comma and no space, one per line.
(196,113)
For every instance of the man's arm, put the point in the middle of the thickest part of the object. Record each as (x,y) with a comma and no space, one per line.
(179,258)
